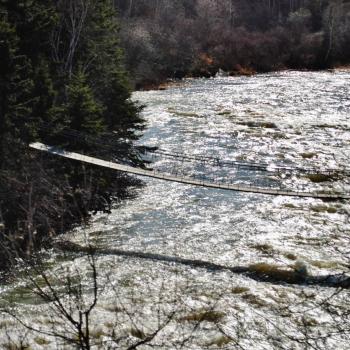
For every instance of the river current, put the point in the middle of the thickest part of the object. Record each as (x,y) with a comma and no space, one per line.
(298,119)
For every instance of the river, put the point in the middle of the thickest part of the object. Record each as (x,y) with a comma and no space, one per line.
(288,118)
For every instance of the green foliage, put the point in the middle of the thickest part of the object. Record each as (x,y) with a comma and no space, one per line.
(57,75)
(25,92)
(83,87)
(82,110)
(16,87)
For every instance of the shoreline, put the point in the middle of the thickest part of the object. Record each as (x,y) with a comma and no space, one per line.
(174,82)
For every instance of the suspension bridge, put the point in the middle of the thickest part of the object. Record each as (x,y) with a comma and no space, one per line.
(200,180)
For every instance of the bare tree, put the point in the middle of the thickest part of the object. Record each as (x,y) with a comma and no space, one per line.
(73,14)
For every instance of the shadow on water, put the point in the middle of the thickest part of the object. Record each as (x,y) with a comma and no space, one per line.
(259,272)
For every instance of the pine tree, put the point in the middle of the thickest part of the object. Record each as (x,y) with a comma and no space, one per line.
(26,86)
(111,84)
(57,75)
(82,111)
(16,87)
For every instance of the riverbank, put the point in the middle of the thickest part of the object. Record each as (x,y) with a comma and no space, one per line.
(241,72)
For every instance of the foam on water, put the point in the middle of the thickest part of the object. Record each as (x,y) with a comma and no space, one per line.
(291,118)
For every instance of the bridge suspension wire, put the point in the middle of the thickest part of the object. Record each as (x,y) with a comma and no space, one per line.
(273,168)
(105,142)
(194,180)
(140,152)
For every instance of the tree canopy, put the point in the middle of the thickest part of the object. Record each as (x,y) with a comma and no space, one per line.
(176,38)
(61,71)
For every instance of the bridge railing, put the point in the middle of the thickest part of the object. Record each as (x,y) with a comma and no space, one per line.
(186,178)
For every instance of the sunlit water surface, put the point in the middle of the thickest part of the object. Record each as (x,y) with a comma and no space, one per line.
(291,118)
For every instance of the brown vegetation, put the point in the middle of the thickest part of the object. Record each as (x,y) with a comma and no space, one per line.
(178,38)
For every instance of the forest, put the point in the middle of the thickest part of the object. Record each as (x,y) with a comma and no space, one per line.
(178,38)
(61,82)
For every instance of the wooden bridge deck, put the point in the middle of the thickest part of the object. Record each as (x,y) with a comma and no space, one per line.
(183,179)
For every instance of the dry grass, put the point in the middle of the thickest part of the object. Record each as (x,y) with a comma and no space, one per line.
(290,256)
(308,155)
(137,333)
(202,315)
(318,178)
(324,209)
(220,341)
(263,248)
(254,300)
(275,273)
(264,125)
(41,341)
(239,290)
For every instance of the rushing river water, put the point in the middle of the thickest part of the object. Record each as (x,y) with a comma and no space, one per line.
(292,118)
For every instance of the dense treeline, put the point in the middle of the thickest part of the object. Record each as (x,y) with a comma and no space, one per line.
(175,38)
(60,71)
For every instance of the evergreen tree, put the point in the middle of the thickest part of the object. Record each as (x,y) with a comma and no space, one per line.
(82,111)
(61,69)
(110,78)
(26,90)
(16,87)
